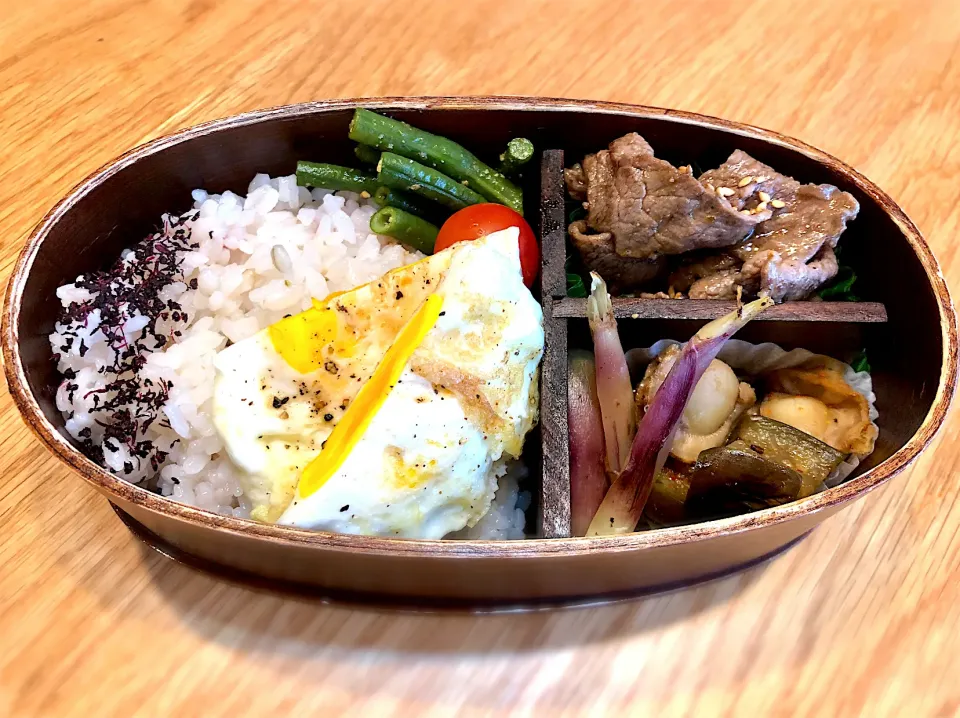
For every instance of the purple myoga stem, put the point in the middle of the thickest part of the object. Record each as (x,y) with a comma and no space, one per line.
(614,389)
(588,476)
(624,503)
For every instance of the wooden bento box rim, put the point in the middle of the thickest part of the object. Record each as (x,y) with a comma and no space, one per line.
(109,484)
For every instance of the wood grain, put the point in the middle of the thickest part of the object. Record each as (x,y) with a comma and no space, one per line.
(862,618)
(554,519)
(850,312)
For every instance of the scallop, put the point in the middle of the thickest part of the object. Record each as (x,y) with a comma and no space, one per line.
(817,399)
(713,399)
(718,400)
(805,413)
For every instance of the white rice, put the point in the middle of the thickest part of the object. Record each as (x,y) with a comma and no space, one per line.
(260,257)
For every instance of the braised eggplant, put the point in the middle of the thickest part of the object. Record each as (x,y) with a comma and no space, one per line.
(732,480)
(667,498)
(788,446)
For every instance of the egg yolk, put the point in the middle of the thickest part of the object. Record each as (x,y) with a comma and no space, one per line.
(357,418)
(300,339)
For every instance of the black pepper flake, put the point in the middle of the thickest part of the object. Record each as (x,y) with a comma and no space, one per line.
(345,507)
(399,294)
(278,402)
(328,417)
(442,313)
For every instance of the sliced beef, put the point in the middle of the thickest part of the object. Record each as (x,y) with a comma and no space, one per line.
(787,278)
(755,187)
(576,182)
(762,230)
(817,215)
(650,207)
(789,256)
(711,276)
(622,274)
(792,253)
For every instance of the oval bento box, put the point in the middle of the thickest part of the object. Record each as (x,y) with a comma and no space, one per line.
(907,326)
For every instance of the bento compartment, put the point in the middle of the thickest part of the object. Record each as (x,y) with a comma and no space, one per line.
(759,353)
(275,352)
(667,222)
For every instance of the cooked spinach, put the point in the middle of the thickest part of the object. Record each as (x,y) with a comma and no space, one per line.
(860,362)
(841,288)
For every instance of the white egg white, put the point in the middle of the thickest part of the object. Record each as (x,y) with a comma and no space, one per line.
(421,470)
(271,446)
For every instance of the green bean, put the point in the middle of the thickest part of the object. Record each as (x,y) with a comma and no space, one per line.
(386,197)
(405,227)
(438,152)
(519,152)
(335,177)
(367,154)
(404,174)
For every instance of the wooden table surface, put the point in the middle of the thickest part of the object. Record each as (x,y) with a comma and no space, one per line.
(861,618)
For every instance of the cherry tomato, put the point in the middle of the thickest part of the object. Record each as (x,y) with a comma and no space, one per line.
(479,220)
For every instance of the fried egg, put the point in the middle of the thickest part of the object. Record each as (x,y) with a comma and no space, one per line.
(386,409)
